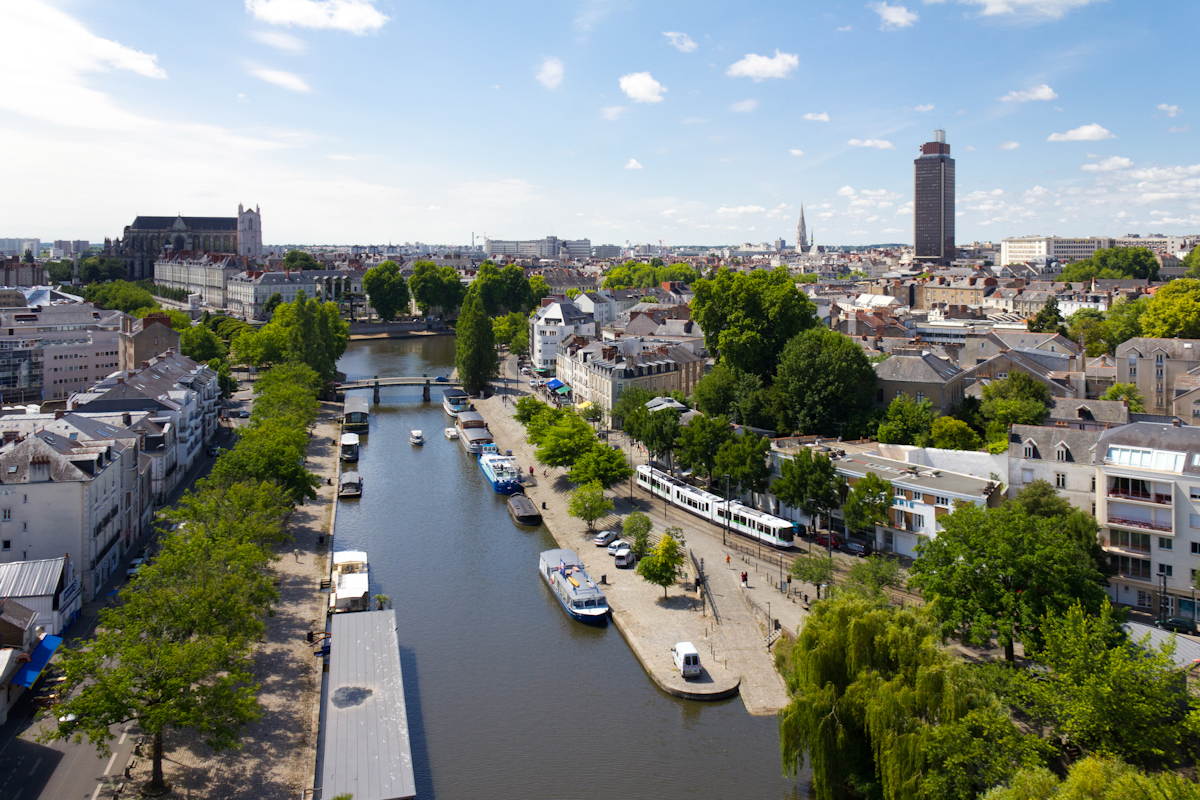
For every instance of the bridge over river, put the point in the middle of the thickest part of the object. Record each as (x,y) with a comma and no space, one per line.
(424,381)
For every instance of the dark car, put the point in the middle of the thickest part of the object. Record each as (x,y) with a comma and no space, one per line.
(862,549)
(441,379)
(1178,625)
(823,540)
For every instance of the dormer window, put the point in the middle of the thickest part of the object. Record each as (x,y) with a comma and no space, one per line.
(1061,453)
(1028,450)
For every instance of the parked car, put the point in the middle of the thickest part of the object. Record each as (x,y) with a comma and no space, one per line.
(533,384)
(625,558)
(604,537)
(824,537)
(1178,625)
(687,659)
(619,544)
(242,413)
(134,568)
(524,370)
(441,379)
(862,549)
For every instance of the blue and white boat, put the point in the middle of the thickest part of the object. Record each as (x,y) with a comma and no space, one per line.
(455,401)
(501,471)
(581,598)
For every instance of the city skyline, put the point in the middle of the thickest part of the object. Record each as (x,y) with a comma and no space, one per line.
(358,121)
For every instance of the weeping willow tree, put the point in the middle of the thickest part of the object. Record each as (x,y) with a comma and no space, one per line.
(880,708)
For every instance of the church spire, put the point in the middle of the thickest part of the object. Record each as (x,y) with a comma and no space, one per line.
(801,232)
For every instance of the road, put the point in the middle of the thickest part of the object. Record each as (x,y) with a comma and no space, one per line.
(64,770)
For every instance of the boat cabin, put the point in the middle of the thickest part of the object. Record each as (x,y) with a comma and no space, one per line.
(349,443)
(350,588)
(356,413)
(471,419)
(350,485)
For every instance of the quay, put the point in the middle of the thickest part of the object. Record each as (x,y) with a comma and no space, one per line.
(722,621)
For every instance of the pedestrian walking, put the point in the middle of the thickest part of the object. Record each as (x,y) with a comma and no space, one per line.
(727,559)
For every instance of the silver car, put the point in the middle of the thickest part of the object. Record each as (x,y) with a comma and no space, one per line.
(604,537)
(617,545)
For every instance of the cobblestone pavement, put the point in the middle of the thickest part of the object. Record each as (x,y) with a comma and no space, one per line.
(279,751)
(734,647)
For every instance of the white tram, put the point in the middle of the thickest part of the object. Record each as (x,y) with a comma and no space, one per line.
(742,519)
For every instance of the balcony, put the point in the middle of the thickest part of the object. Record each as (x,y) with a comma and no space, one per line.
(1139,524)
(1141,497)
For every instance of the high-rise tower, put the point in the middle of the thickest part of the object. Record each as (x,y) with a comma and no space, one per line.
(801,232)
(933,202)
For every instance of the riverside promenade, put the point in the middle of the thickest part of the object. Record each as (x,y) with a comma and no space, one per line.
(732,641)
(278,752)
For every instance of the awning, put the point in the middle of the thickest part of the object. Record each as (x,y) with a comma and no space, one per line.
(553,383)
(564,389)
(586,404)
(29,673)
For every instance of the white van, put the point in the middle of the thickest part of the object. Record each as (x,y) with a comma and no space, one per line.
(625,558)
(687,659)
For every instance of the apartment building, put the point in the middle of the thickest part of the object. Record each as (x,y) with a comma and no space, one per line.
(954,291)
(202,273)
(1166,372)
(599,372)
(143,339)
(1148,508)
(1018,250)
(247,292)
(1062,457)
(920,377)
(553,323)
(47,352)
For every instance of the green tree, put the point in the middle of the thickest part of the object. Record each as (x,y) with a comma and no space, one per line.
(120,296)
(1174,311)
(660,432)
(475,348)
(1116,699)
(699,443)
(60,271)
(386,290)
(1125,320)
(630,400)
(272,303)
(567,441)
(299,259)
(867,503)
(28,257)
(433,287)
(1095,777)
(637,530)
(716,393)
(826,383)
(1087,325)
(1114,262)
(994,573)
(506,327)
(513,288)
(744,459)
(98,269)
(747,318)
(520,342)
(949,433)
(592,413)
(907,422)
(809,481)
(538,288)
(874,575)
(1048,319)
(200,344)
(1127,392)
(589,503)
(661,567)
(600,463)
(527,408)
(1191,262)
(1016,400)
(815,569)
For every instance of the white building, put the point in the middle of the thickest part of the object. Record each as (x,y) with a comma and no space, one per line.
(1043,249)
(553,323)
(247,292)
(205,274)
(49,351)
(599,372)
(549,247)
(48,587)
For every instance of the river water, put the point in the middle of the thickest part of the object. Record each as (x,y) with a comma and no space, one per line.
(507,697)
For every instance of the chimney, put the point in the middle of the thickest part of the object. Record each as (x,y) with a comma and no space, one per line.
(145,365)
(59,414)
(120,381)
(126,419)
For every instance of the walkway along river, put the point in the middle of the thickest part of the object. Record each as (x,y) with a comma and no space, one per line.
(507,697)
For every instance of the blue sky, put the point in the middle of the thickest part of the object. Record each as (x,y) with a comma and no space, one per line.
(356,121)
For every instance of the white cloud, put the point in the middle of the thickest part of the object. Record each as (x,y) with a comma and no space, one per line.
(969,149)
(1108,165)
(680,41)
(879,144)
(352,16)
(640,87)
(812,116)
(340,157)
(551,73)
(1035,8)
(892,230)
(744,106)
(1036,191)
(1178,128)
(1010,145)
(1084,133)
(1039,92)
(846,191)
(288,80)
(893,17)
(593,12)
(633,164)
(241,98)
(759,68)
(280,41)
(845,29)
(669,212)
(737,211)
(796,152)
(923,108)
(1169,110)
(613,113)
(434,208)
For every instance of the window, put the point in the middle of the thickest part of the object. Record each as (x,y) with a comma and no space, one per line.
(7,545)
(1093,509)
(1131,567)
(1061,454)
(1060,480)
(920,396)
(941,501)
(917,496)
(1093,488)
(1166,569)
(1131,540)
(1165,544)
(898,491)
(1026,476)
(7,514)
(1029,451)
(918,521)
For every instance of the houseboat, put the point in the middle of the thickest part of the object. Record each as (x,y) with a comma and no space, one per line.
(579,595)
(501,471)
(455,401)
(349,447)
(523,511)
(356,415)
(416,437)
(349,587)
(472,431)
(350,485)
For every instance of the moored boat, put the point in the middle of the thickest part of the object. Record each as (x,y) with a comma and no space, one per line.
(522,510)
(579,595)
(416,437)
(350,484)
(356,414)
(451,433)
(501,471)
(472,431)
(455,401)
(350,584)
(349,445)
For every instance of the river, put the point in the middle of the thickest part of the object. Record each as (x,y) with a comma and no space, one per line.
(507,697)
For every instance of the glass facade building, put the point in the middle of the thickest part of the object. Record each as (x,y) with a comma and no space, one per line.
(933,202)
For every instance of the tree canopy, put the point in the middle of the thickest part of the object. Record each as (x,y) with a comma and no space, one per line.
(1048,319)
(744,459)
(589,504)
(699,443)
(949,433)
(200,344)
(475,346)
(1127,392)
(907,422)
(386,290)
(1173,311)
(1114,263)
(661,566)
(119,295)
(867,503)
(434,287)
(826,384)
(634,275)
(809,481)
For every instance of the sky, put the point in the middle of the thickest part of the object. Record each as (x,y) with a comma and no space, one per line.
(368,121)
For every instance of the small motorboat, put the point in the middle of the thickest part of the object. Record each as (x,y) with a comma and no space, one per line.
(451,433)
(416,437)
